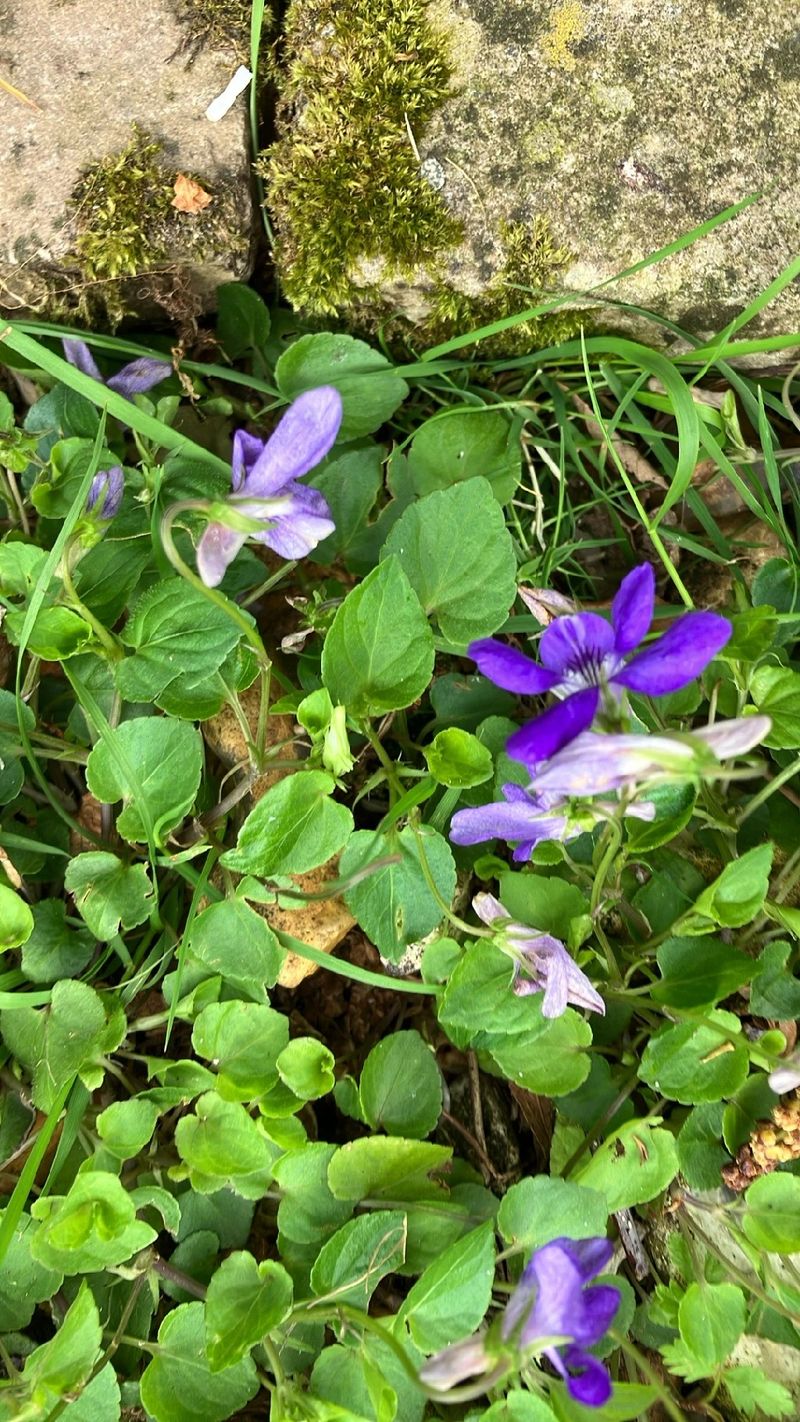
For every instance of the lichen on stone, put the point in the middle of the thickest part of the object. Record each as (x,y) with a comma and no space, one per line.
(344,185)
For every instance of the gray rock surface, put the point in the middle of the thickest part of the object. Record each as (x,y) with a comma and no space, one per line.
(622,124)
(93,68)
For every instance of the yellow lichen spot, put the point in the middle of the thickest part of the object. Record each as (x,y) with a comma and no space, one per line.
(568,27)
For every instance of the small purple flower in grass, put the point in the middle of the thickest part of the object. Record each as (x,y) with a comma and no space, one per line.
(293,517)
(521,817)
(135,378)
(551,1313)
(541,962)
(584,656)
(104,499)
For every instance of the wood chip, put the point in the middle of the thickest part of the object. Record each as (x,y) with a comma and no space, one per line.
(189,196)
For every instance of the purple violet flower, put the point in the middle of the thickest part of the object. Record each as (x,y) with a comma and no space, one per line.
(522,817)
(104,499)
(550,1313)
(584,656)
(294,517)
(541,962)
(135,378)
(551,1302)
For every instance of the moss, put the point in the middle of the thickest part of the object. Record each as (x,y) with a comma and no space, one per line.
(345,186)
(127,228)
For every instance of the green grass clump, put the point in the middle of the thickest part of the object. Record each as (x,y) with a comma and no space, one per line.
(345,187)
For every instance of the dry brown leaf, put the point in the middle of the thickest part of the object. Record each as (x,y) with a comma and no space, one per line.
(189,196)
(628,456)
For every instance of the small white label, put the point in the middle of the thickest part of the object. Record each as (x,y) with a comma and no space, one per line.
(218,107)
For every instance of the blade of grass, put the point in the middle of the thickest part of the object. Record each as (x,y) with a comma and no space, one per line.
(27,1176)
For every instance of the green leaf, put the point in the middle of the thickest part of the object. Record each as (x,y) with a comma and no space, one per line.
(154,766)
(107,577)
(775,991)
(350,485)
(179,1385)
(751,1391)
(736,896)
(108,894)
(700,1153)
(306,1067)
(370,390)
(352,1263)
(125,1127)
(222,1146)
(752,1103)
(401,1086)
(711,1318)
(516,1406)
(231,939)
(24,1282)
(395,905)
(308,1212)
(378,654)
(244,1040)
(64,1363)
(458,759)
(450,448)
(21,566)
(776,692)
(57,633)
(54,950)
(674,805)
(16,919)
(58,1041)
(695,1062)
(386,1167)
(772,1213)
(93,1226)
(180,640)
(775,585)
(450,1298)
(699,971)
(243,322)
(245,1300)
(632,1166)
(545,902)
(539,1209)
(479,1009)
(458,556)
(296,826)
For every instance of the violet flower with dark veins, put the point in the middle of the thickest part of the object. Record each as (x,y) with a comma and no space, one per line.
(584,658)
(293,518)
(135,378)
(541,962)
(552,1314)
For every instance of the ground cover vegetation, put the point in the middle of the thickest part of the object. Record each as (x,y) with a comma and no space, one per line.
(490,661)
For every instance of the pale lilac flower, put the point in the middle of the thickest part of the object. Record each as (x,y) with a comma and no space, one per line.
(542,963)
(104,499)
(584,657)
(135,378)
(293,517)
(521,817)
(550,1313)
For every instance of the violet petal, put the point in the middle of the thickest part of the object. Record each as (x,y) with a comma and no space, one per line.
(509,668)
(78,354)
(592,1385)
(139,376)
(302,438)
(217,548)
(540,739)
(295,533)
(632,608)
(683,652)
(570,643)
(247,448)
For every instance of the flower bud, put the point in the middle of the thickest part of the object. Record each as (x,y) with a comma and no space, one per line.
(105,495)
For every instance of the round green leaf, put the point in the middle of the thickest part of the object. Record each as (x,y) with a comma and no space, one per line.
(449,448)
(378,654)
(695,1062)
(394,905)
(458,759)
(306,1067)
(296,826)
(772,1213)
(245,1300)
(401,1086)
(179,1384)
(154,766)
(370,390)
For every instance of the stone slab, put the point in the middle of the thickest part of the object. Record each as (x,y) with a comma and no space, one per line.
(621,124)
(93,68)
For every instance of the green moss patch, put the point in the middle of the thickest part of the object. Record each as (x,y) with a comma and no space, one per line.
(345,186)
